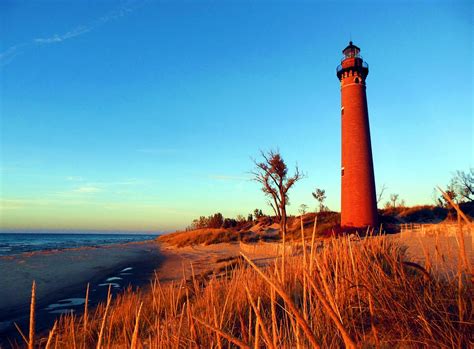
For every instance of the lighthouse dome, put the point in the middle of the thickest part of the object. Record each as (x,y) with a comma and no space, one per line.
(351,51)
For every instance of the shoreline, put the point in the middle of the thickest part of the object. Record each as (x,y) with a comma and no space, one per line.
(61,280)
(146,258)
(47,251)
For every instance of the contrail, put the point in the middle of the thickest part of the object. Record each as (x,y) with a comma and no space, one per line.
(9,54)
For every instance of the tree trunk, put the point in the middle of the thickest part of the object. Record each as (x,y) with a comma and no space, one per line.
(274,210)
(283,221)
(277,209)
(283,237)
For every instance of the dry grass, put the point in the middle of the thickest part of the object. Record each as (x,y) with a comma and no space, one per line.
(205,236)
(31,338)
(346,293)
(328,225)
(264,229)
(422,213)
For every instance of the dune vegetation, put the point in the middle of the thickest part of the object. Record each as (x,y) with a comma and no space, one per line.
(264,228)
(206,236)
(348,292)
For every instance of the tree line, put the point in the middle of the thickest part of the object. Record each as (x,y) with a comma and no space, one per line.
(460,189)
(217,220)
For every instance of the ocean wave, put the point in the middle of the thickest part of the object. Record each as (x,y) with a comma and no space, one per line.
(16,243)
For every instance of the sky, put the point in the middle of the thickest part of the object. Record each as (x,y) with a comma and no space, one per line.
(143,115)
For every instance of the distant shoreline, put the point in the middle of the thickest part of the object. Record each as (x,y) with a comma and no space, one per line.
(77,232)
(66,249)
(17,243)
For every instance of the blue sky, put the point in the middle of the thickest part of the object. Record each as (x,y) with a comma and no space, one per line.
(141,115)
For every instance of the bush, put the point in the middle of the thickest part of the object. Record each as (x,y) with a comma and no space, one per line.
(415,214)
(419,214)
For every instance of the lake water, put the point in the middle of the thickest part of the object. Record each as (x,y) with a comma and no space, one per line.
(19,242)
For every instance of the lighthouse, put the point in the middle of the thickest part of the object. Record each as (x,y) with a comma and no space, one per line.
(358,200)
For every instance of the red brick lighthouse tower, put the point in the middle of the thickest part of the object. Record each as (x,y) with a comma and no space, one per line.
(358,201)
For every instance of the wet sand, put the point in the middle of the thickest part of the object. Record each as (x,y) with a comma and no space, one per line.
(61,279)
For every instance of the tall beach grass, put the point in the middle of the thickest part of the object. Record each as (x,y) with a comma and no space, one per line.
(345,293)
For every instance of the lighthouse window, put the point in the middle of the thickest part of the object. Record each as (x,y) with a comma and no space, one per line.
(342,172)
(356,80)
(342,111)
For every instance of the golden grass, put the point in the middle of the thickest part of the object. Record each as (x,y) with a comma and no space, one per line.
(260,230)
(31,338)
(349,294)
(206,236)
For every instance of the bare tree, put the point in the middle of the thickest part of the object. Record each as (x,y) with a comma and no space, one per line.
(320,196)
(464,184)
(241,218)
(274,206)
(381,192)
(257,213)
(272,174)
(303,208)
(393,199)
(460,189)
(453,194)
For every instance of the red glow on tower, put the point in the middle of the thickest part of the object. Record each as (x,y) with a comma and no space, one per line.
(358,201)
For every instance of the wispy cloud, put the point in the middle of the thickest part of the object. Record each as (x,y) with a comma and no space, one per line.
(83,187)
(99,183)
(87,189)
(84,190)
(23,204)
(61,37)
(9,54)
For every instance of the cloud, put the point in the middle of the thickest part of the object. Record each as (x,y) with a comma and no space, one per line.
(13,51)
(87,189)
(91,187)
(101,184)
(59,38)
(9,54)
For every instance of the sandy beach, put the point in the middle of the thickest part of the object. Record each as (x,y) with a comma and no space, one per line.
(62,276)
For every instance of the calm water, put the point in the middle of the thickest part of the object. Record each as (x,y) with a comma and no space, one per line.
(20,242)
